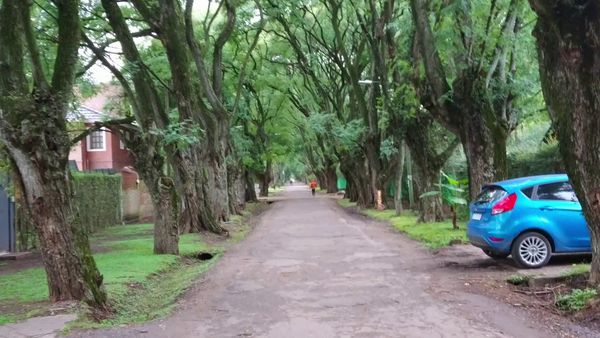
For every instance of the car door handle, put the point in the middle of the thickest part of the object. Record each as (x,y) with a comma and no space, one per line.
(546,208)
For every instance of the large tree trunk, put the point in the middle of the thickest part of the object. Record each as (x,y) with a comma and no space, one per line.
(265,180)
(480,158)
(374,167)
(250,192)
(235,188)
(331,178)
(398,181)
(33,130)
(321,179)
(196,213)
(357,176)
(429,164)
(70,268)
(217,194)
(200,169)
(146,148)
(430,208)
(218,182)
(166,229)
(149,163)
(351,192)
(462,107)
(484,145)
(264,187)
(568,38)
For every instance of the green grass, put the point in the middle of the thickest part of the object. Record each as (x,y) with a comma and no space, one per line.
(140,285)
(24,286)
(152,298)
(31,311)
(434,235)
(4,319)
(344,202)
(128,261)
(275,190)
(577,270)
(121,231)
(576,300)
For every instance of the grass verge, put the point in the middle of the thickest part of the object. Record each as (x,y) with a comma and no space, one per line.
(577,270)
(275,190)
(433,235)
(141,286)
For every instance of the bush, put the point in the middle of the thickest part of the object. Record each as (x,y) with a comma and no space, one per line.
(518,279)
(98,200)
(527,153)
(545,159)
(576,300)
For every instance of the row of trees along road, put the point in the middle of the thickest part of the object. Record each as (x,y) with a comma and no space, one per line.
(218,96)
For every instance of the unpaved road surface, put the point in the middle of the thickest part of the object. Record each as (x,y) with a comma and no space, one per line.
(311,269)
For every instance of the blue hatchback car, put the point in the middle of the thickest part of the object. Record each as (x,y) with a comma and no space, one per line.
(530,218)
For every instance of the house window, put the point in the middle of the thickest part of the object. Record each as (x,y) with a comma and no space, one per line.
(121,145)
(96,141)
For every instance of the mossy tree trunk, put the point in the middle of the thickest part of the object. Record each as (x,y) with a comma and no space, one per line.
(359,189)
(568,39)
(473,107)
(200,169)
(146,148)
(34,133)
(331,179)
(250,191)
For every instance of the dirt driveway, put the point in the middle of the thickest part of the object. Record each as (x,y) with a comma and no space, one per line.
(310,269)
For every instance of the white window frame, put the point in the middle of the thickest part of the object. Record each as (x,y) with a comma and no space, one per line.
(88,142)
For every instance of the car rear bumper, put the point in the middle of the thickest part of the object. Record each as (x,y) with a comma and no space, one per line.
(482,238)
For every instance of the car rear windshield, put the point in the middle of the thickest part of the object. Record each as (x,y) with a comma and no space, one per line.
(490,193)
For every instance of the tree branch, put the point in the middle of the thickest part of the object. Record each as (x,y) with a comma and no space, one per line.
(104,124)
(242,72)
(147,13)
(69,34)
(207,88)
(218,49)
(39,79)
(12,68)
(116,73)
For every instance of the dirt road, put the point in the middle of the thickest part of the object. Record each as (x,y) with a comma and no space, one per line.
(310,269)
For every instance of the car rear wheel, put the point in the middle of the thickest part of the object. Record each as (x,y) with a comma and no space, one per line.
(531,250)
(495,255)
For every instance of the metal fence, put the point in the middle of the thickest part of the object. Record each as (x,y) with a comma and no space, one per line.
(7,222)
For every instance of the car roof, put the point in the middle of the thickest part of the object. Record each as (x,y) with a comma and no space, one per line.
(522,182)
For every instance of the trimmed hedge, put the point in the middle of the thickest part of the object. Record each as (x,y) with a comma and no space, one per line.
(98,200)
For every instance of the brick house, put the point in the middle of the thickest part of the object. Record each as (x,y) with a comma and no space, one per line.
(101,149)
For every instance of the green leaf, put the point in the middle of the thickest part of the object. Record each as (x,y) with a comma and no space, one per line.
(430,194)
(456,200)
(451,187)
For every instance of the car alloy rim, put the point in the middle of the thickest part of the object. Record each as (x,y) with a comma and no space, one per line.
(533,250)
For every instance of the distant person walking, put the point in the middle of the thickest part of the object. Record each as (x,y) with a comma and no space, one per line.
(313,187)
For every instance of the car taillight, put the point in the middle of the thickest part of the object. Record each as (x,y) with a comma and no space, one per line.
(505,204)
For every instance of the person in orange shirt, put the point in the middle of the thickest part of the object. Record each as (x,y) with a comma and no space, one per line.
(313,187)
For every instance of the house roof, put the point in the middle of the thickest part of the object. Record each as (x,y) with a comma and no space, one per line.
(87,115)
